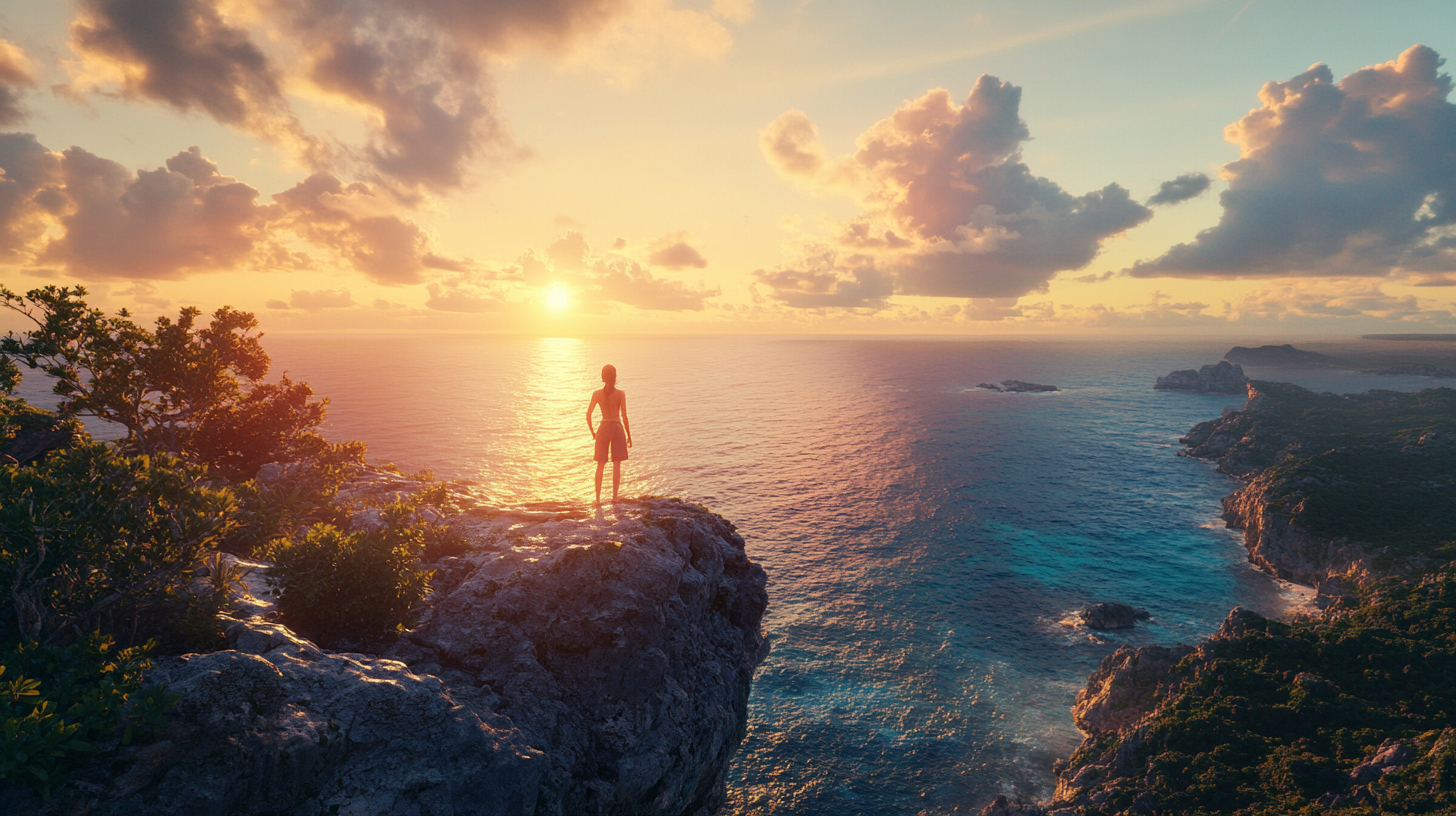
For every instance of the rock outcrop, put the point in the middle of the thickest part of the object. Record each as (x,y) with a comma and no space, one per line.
(1222,378)
(566,665)
(1017,386)
(1112,615)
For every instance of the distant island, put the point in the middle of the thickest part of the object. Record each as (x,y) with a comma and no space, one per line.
(1432,338)
(1285,356)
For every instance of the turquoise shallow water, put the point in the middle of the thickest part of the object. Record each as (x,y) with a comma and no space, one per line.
(925,540)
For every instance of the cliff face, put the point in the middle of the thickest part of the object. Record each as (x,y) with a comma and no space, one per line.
(567,665)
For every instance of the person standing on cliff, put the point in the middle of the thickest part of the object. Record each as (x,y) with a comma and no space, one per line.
(615,434)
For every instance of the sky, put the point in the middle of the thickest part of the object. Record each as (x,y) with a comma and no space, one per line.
(643,166)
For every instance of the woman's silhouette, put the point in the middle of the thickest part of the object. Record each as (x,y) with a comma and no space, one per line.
(615,433)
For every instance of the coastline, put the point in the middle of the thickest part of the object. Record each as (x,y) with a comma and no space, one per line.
(1146,712)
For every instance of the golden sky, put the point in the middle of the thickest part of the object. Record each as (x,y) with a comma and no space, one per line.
(586,166)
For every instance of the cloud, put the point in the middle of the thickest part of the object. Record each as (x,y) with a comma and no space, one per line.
(145,292)
(623,280)
(320,299)
(1347,300)
(1105,276)
(463,295)
(15,75)
(1186,186)
(950,208)
(154,224)
(826,278)
(100,220)
(416,72)
(30,195)
(596,282)
(358,222)
(1354,178)
(674,252)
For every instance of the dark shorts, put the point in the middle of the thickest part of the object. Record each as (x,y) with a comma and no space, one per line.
(611,434)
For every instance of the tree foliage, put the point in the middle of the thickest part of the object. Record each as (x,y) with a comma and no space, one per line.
(58,702)
(182,387)
(88,532)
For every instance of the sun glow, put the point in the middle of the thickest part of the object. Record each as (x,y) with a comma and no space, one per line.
(557,299)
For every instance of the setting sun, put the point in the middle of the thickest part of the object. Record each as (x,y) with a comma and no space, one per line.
(557,299)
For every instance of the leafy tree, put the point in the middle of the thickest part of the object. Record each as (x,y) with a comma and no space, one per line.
(183,387)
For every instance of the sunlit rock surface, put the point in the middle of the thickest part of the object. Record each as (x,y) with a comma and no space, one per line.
(568,664)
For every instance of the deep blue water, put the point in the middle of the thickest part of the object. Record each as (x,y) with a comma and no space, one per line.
(926,541)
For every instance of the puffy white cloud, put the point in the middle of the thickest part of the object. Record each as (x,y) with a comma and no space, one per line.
(1336,179)
(951,210)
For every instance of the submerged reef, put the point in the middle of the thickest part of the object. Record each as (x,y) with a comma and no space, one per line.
(564,664)
(1349,711)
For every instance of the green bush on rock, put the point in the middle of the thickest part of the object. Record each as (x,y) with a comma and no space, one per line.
(58,702)
(334,586)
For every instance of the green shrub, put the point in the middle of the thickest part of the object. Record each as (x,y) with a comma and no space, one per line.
(58,702)
(88,534)
(334,586)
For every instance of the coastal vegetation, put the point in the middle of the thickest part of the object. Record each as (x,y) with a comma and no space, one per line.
(1351,710)
(113,552)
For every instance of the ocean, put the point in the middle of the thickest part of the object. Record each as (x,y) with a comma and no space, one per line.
(927,542)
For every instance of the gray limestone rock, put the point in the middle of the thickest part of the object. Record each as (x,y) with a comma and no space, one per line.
(568,665)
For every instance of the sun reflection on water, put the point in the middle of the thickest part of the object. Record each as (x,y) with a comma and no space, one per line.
(548,444)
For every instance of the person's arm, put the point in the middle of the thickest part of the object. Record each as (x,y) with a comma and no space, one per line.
(626,426)
(596,395)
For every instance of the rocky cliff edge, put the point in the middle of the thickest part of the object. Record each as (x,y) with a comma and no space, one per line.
(566,665)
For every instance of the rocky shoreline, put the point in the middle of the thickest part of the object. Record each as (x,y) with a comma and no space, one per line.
(566,664)
(1311,716)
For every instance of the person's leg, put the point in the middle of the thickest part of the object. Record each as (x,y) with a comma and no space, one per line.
(600,467)
(616,478)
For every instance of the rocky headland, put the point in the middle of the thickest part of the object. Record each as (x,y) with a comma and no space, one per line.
(565,663)
(1350,711)
(1221,378)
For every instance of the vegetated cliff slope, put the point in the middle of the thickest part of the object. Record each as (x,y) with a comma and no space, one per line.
(566,665)
(1354,712)
(1356,486)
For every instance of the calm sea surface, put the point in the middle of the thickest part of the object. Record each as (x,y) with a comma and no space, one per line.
(925,541)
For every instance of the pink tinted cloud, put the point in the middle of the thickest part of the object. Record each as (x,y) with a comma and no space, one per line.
(1336,179)
(951,210)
